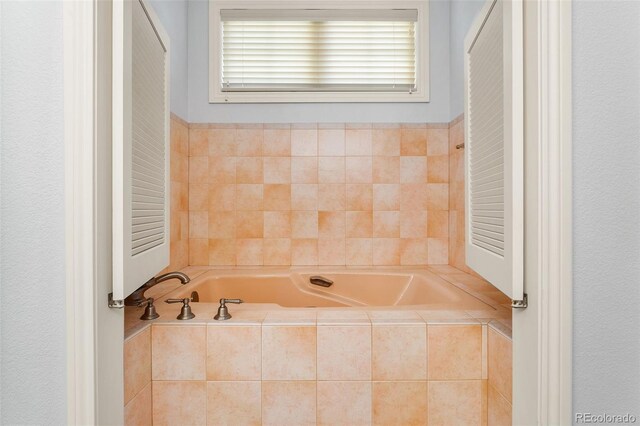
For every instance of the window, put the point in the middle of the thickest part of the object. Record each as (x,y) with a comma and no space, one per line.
(293,54)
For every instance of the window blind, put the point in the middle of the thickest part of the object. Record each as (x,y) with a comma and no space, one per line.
(318,50)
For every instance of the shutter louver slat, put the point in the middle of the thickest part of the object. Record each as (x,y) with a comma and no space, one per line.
(318,50)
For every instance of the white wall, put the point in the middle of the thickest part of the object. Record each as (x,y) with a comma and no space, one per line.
(462,14)
(173,15)
(32,236)
(606,141)
(437,110)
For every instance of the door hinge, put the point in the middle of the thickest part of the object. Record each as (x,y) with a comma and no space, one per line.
(115,304)
(520,304)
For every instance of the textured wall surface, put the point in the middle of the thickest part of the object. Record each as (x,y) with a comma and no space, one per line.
(173,15)
(606,144)
(436,111)
(32,290)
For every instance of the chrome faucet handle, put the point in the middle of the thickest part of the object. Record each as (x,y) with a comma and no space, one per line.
(185,312)
(223,312)
(149,310)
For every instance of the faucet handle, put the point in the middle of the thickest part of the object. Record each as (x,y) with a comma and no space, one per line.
(223,311)
(149,310)
(223,301)
(185,312)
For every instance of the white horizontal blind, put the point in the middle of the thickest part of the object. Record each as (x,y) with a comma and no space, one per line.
(318,50)
(148,198)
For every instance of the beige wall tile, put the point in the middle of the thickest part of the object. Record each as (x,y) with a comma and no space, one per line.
(399,352)
(386,142)
(277,224)
(331,224)
(359,224)
(413,224)
(359,170)
(304,170)
(222,224)
(235,403)
(288,353)
(277,251)
(344,352)
(332,251)
(250,197)
(277,142)
(455,402)
(222,142)
(358,142)
(331,169)
(179,403)
(222,197)
(413,142)
(399,403)
(249,224)
(413,169)
(499,409)
(386,224)
(438,169)
(249,142)
(304,251)
(178,352)
(438,196)
(331,142)
(222,252)
(198,224)
(304,196)
(222,170)
(304,224)
(413,251)
(198,169)
(198,196)
(359,251)
(304,142)
(138,412)
(277,197)
(438,251)
(288,403)
(137,363)
(386,169)
(249,252)
(198,251)
(386,251)
(331,197)
(359,196)
(198,142)
(414,196)
(233,353)
(277,169)
(500,363)
(438,142)
(455,352)
(386,196)
(344,403)
(249,170)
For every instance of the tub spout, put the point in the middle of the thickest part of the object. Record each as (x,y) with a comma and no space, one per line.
(321,281)
(138,296)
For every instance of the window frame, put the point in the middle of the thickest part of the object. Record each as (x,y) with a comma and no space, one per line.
(216,95)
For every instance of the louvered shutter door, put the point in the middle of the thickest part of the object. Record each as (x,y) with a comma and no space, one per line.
(494,146)
(140,146)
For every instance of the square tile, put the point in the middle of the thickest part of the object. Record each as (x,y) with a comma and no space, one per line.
(304,252)
(249,224)
(233,353)
(500,359)
(413,251)
(331,142)
(304,196)
(250,197)
(413,169)
(289,403)
(331,224)
(222,197)
(438,142)
(455,352)
(344,403)
(359,224)
(277,169)
(198,196)
(249,170)
(359,196)
(234,403)
(331,251)
(344,352)
(277,251)
(222,252)
(386,224)
(198,142)
(249,252)
(386,251)
(415,196)
(277,224)
(438,251)
(413,224)
(138,411)
(304,224)
(455,402)
(222,224)
(304,142)
(399,403)
(179,403)
(358,142)
(137,364)
(438,196)
(277,197)
(386,169)
(359,252)
(198,251)
(178,353)
(198,224)
(438,169)
(288,353)
(388,364)
(198,169)
(331,169)
(277,143)
(222,142)
(304,170)
(499,409)
(386,196)
(413,142)
(221,170)
(249,142)
(386,142)
(438,224)
(359,170)
(331,197)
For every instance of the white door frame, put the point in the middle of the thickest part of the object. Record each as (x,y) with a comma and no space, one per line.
(542,345)
(542,332)
(95,333)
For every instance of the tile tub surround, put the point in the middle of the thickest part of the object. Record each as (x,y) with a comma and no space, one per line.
(339,369)
(318,194)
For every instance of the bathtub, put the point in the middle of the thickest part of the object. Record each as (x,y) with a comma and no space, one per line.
(351,288)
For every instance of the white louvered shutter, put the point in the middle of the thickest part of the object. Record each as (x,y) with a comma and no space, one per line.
(140,146)
(289,50)
(494,146)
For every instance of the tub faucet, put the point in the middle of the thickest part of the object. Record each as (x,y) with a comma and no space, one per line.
(137,296)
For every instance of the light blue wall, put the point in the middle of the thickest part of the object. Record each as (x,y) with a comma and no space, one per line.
(437,110)
(32,234)
(463,12)
(606,152)
(173,15)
